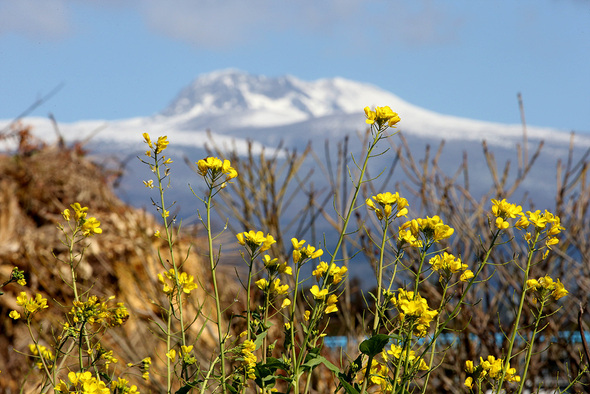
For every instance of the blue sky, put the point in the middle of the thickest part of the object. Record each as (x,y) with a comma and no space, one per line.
(120,59)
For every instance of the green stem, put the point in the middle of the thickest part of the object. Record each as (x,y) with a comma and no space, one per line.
(367,375)
(519,314)
(380,278)
(433,343)
(529,352)
(216,292)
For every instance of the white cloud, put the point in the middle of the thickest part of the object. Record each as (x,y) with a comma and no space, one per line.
(36,19)
(223,24)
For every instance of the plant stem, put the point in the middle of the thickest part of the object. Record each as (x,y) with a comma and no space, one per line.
(380,278)
(529,352)
(518,314)
(216,292)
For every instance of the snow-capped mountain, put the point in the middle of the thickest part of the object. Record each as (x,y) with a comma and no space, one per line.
(237,107)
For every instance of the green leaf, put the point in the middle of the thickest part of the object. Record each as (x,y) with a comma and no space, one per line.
(374,345)
(330,366)
(259,338)
(186,388)
(348,387)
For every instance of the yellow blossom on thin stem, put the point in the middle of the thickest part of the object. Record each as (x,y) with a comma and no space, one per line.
(381,116)
(212,169)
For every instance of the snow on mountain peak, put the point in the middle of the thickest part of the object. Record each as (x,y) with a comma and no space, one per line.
(283,100)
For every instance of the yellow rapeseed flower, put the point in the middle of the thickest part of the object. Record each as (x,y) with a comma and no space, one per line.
(91,227)
(381,116)
(331,304)
(161,144)
(317,293)
(214,168)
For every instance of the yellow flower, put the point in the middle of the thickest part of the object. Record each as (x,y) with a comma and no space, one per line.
(331,304)
(447,262)
(537,218)
(91,227)
(214,168)
(149,184)
(469,366)
(503,209)
(306,315)
(285,268)
(387,202)
(301,253)
(171,355)
(320,270)
(431,227)
(31,305)
(559,291)
(186,282)
(14,315)
(532,284)
(501,224)
(317,293)
(161,144)
(277,288)
(297,244)
(381,116)
(469,382)
(286,303)
(337,273)
(466,276)
(262,284)
(79,211)
(147,139)
(66,214)
(255,240)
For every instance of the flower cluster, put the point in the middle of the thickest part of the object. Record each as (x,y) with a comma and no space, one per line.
(88,225)
(185,281)
(386,204)
(398,353)
(273,287)
(17,276)
(546,287)
(491,368)
(256,241)
(503,210)
(249,358)
(378,375)
(414,309)
(331,274)
(95,311)
(301,253)
(430,229)
(381,116)
(273,266)
(158,147)
(212,169)
(447,264)
(30,305)
(82,382)
(121,386)
(45,354)
(187,356)
(545,222)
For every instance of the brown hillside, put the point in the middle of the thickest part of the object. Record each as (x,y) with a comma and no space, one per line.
(36,185)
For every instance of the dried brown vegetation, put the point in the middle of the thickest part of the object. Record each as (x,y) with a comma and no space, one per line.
(261,199)
(36,184)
